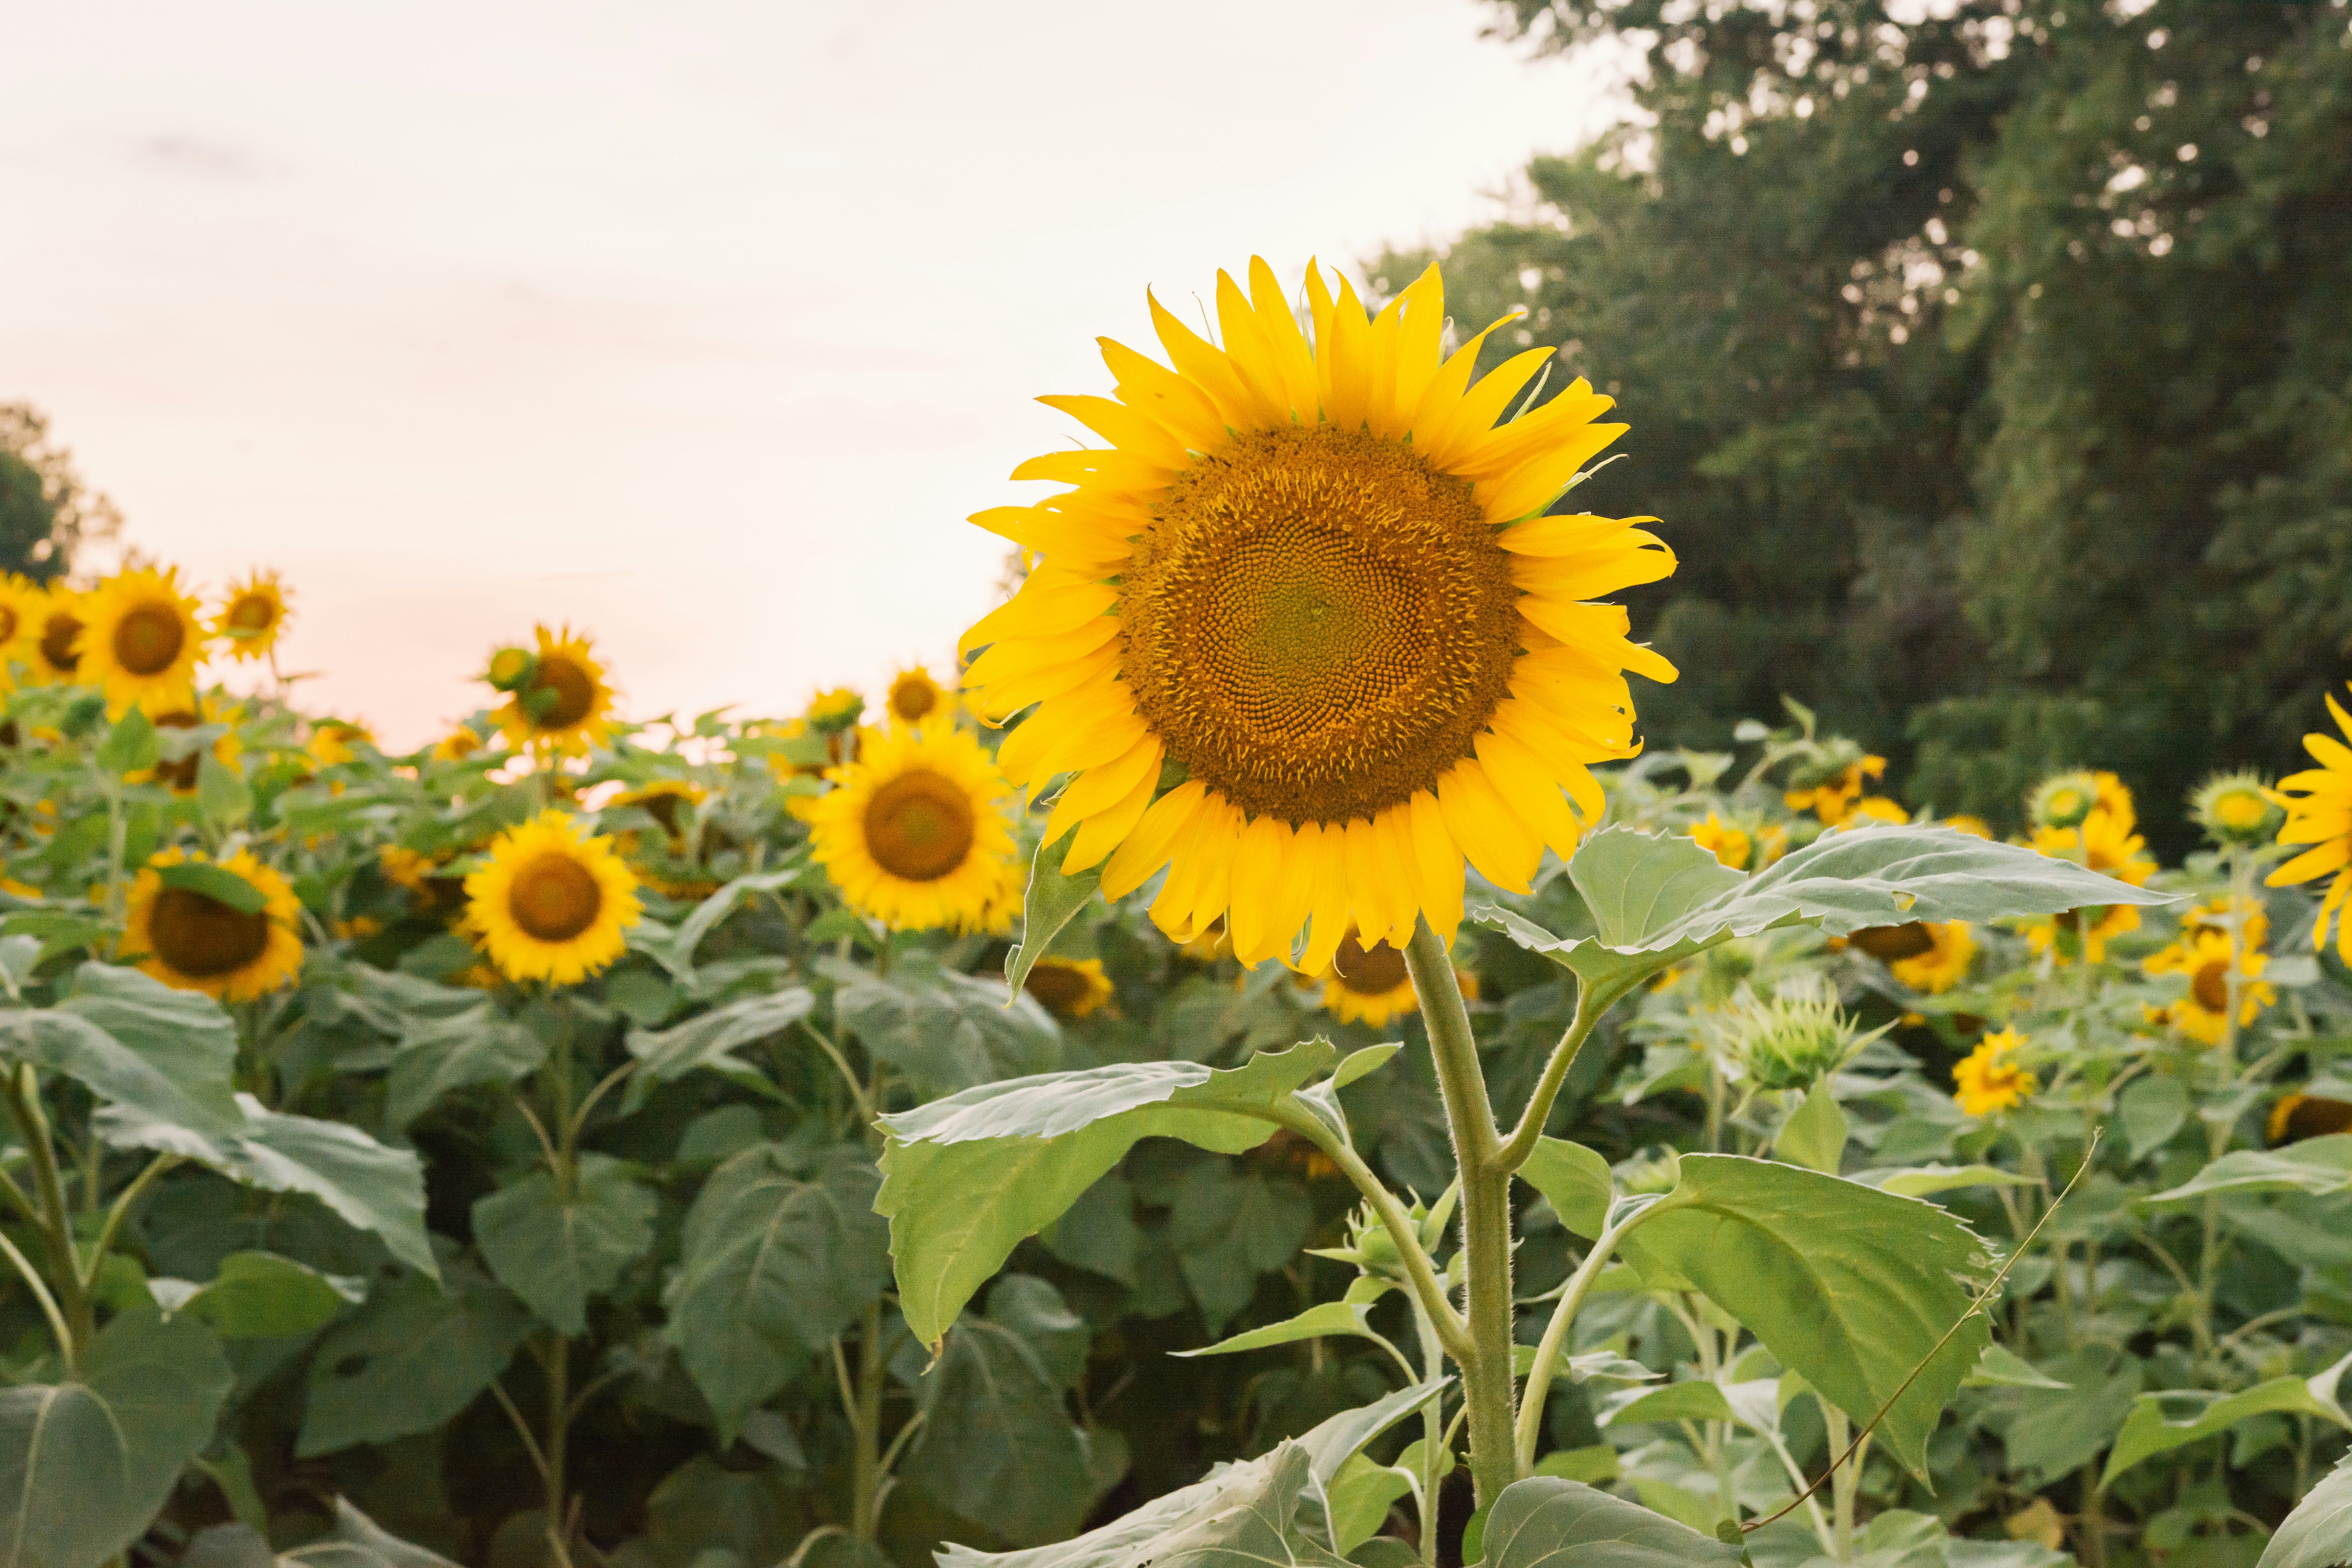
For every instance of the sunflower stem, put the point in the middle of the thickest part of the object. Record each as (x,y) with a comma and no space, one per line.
(1486,1380)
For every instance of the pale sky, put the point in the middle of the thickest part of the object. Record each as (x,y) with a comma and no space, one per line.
(702,325)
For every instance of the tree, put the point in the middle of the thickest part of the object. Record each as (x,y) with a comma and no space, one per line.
(1987,362)
(46,510)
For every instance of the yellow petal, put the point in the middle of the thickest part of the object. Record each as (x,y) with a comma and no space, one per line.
(1514,771)
(1258,873)
(1040,609)
(1147,384)
(1439,860)
(1141,854)
(1294,897)
(1293,360)
(1102,832)
(1328,861)
(2312,863)
(1200,362)
(1400,873)
(1135,433)
(1488,831)
(1103,786)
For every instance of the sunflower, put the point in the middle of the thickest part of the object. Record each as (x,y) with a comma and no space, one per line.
(192,940)
(550,903)
(1726,841)
(2203,953)
(1987,1080)
(2103,840)
(1943,964)
(1975,826)
(1370,984)
(181,776)
(2318,804)
(667,802)
(564,704)
(1317,584)
(458,745)
(1068,988)
(251,615)
(55,658)
(1878,808)
(2299,1115)
(21,605)
(915,697)
(141,641)
(2063,801)
(334,742)
(915,835)
(1833,799)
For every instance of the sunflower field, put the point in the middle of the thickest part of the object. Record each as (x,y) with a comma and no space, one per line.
(1250,1062)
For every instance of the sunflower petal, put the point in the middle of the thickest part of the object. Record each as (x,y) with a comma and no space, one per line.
(1157,833)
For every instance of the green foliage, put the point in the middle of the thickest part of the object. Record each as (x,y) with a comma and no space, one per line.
(1543,1518)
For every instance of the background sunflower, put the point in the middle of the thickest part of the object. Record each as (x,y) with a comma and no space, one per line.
(142,640)
(564,705)
(251,615)
(915,834)
(56,636)
(550,903)
(916,698)
(21,605)
(226,930)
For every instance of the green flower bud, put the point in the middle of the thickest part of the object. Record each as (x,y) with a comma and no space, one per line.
(1789,1041)
(2237,808)
(511,668)
(2063,801)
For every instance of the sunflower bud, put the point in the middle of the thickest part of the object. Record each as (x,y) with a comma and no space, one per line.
(2062,800)
(1791,1041)
(2237,809)
(511,668)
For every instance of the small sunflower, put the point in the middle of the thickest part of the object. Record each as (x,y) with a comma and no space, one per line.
(2318,804)
(915,697)
(1367,984)
(334,742)
(1975,826)
(1987,1079)
(458,745)
(57,634)
(1930,956)
(1728,842)
(1833,799)
(21,606)
(141,641)
(835,711)
(251,615)
(192,940)
(914,833)
(2203,953)
(550,903)
(1068,988)
(564,705)
(2236,809)
(666,801)
(1878,808)
(1320,577)
(2299,1115)
(181,775)
(2103,840)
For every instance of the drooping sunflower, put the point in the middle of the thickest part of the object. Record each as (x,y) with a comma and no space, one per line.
(1989,1078)
(141,641)
(1945,961)
(58,635)
(1067,987)
(1833,799)
(915,697)
(251,615)
(2203,953)
(565,706)
(2318,804)
(181,775)
(21,606)
(1316,584)
(914,833)
(550,903)
(193,941)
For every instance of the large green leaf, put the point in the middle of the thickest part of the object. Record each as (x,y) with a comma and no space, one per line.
(1052,902)
(775,1261)
(86,1465)
(1849,1287)
(261,1296)
(2316,1165)
(2319,1533)
(946,1031)
(369,1185)
(1654,901)
(1574,1180)
(135,1042)
(409,1360)
(2149,1430)
(996,1445)
(555,1251)
(1545,1522)
(1229,1226)
(437,1055)
(711,1040)
(966,1178)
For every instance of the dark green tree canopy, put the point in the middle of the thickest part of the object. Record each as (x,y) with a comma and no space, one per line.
(46,510)
(1987,362)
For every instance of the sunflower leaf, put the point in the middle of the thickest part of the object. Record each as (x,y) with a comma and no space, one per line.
(1545,1518)
(217,883)
(136,1042)
(2319,1533)
(1054,901)
(130,745)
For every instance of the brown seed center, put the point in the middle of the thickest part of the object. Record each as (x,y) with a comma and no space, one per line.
(252,614)
(2211,985)
(58,635)
(574,692)
(1057,987)
(148,639)
(200,937)
(919,826)
(181,775)
(1891,944)
(913,700)
(554,897)
(1373,971)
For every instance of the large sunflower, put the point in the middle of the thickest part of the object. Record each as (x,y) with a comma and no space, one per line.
(565,705)
(914,832)
(2318,804)
(1304,634)
(194,940)
(142,640)
(55,657)
(251,615)
(21,606)
(550,903)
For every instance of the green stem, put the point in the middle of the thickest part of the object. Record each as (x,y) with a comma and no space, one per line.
(557,1359)
(48,1303)
(1554,1346)
(117,834)
(865,1417)
(81,1313)
(120,1211)
(1845,1487)
(1592,1001)
(1421,1271)
(1432,1431)
(1487,1378)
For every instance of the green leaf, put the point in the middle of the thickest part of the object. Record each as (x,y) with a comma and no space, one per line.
(1696,1399)
(2151,1109)
(556,1251)
(946,1031)
(1925,1181)
(1545,1518)
(967,1177)
(711,1040)
(1654,901)
(261,1296)
(1849,1287)
(1227,1228)
(1574,1180)
(1052,901)
(1814,1134)
(85,1466)
(2319,1533)
(716,908)
(216,883)
(2003,1368)
(222,794)
(1592,1466)
(1331,1318)
(771,1266)
(1033,1309)
(1360,1498)
(438,1055)
(136,1042)
(2315,1165)
(996,1445)
(371,1186)
(130,745)
(2149,1431)
(408,1362)
(357,1542)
